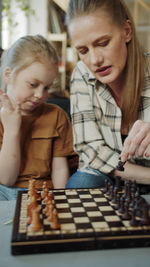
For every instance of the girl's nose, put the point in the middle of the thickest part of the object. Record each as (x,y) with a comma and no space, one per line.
(39,92)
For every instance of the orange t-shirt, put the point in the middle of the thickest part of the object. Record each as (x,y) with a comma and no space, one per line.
(45,134)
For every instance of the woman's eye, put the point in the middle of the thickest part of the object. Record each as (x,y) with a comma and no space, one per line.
(103,44)
(83,51)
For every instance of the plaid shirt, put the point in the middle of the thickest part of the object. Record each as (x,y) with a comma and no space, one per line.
(96,119)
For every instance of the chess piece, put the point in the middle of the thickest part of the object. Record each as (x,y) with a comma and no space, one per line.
(36,222)
(54,222)
(120,166)
(121,209)
(126,215)
(118,183)
(32,204)
(133,221)
(145,220)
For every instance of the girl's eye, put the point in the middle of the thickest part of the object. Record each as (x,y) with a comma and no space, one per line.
(33,85)
(46,88)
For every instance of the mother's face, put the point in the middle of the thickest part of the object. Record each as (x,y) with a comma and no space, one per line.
(101,45)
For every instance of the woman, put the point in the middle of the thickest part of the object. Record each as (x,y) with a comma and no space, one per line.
(110,94)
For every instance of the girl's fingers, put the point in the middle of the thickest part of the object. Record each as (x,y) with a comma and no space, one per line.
(6,102)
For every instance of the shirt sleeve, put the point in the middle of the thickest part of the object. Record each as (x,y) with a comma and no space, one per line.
(89,142)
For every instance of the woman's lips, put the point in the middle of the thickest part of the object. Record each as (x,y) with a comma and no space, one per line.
(103,71)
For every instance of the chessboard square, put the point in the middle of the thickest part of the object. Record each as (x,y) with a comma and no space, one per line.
(87,230)
(22,231)
(95,191)
(70,192)
(65,215)
(62,205)
(83,191)
(112,218)
(77,209)
(100,199)
(126,223)
(68,226)
(89,204)
(100,225)
(83,225)
(74,200)
(38,233)
(94,213)
(60,197)
(81,219)
(105,208)
(65,220)
(85,196)
(50,232)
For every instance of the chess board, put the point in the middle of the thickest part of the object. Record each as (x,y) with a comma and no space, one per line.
(88,220)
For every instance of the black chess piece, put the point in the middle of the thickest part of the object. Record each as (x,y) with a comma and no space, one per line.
(145,220)
(133,221)
(118,183)
(120,166)
(126,215)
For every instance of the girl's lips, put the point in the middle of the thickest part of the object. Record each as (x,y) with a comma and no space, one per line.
(103,71)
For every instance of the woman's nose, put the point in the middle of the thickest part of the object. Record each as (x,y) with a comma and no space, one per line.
(96,57)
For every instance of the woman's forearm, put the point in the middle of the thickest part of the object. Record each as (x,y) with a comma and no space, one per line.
(134,172)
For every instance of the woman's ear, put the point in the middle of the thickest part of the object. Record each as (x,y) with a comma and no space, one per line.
(128,31)
(7,74)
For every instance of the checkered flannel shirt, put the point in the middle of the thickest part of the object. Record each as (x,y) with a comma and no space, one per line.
(96,119)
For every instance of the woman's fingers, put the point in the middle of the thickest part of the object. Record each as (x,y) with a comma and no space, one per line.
(137,141)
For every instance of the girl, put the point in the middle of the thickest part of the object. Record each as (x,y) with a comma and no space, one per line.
(110,94)
(35,137)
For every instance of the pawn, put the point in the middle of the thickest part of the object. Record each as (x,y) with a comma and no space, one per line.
(36,222)
(133,221)
(121,209)
(105,190)
(126,215)
(117,206)
(44,193)
(145,220)
(54,223)
(32,204)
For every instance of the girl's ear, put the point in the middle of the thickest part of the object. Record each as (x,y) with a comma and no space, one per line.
(7,74)
(128,31)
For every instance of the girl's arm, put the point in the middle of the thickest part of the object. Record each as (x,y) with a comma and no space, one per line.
(10,149)
(60,172)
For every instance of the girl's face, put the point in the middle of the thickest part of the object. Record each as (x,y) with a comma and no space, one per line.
(101,45)
(29,87)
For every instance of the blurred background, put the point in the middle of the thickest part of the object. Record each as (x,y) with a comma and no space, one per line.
(46,17)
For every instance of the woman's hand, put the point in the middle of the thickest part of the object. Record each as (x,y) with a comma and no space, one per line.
(137,141)
(10,115)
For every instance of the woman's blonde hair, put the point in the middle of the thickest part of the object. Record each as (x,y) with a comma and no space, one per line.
(25,51)
(136,64)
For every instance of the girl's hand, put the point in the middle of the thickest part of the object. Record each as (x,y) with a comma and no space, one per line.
(10,115)
(137,141)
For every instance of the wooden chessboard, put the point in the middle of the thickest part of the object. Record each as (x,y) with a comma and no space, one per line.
(88,220)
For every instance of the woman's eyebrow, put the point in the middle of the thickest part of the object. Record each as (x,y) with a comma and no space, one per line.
(99,39)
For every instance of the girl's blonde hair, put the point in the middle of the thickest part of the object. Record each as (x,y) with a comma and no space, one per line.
(136,63)
(24,52)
